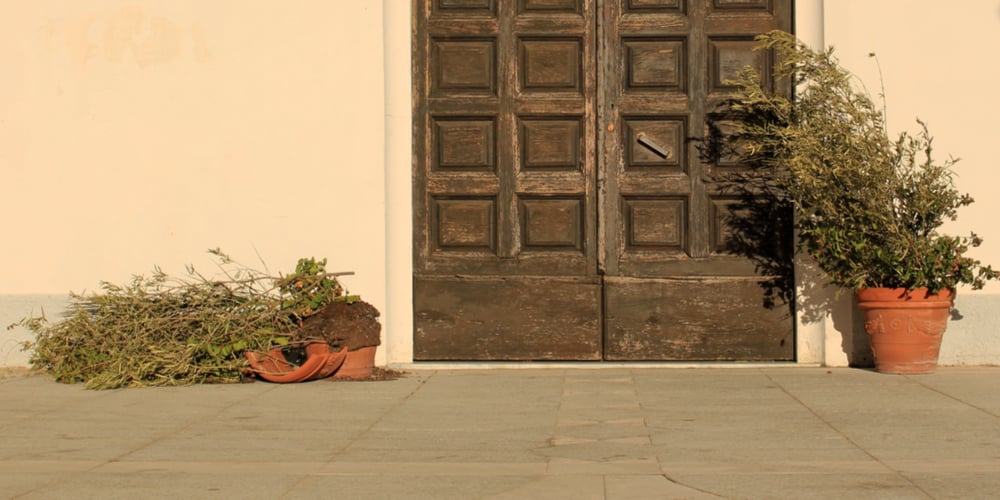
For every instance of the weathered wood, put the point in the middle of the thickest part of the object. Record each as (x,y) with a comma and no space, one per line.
(664,219)
(505,97)
(507,319)
(553,147)
(694,320)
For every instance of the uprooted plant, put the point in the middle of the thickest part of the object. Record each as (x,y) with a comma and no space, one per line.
(163,330)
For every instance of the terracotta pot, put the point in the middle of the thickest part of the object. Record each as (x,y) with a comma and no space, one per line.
(358,364)
(334,360)
(320,362)
(905,327)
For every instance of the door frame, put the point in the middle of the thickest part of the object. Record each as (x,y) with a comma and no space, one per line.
(398,317)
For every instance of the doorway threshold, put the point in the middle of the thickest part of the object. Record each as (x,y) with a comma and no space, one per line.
(593,365)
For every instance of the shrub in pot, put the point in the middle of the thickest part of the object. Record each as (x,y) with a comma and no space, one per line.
(869,206)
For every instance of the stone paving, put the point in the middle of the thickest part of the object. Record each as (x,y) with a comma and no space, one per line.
(572,432)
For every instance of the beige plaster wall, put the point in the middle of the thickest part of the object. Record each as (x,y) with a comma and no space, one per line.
(937,63)
(139,133)
(142,132)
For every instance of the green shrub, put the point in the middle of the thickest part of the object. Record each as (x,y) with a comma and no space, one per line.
(869,208)
(161,330)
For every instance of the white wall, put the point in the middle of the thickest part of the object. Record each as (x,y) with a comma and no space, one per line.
(141,132)
(398,320)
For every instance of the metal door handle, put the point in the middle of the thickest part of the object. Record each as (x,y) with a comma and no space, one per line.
(653,146)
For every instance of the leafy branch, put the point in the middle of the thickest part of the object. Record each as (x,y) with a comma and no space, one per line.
(164,330)
(870,207)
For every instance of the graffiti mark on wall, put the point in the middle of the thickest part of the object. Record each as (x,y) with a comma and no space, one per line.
(129,35)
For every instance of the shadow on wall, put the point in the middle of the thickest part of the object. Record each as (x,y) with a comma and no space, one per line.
(757,217)
(818,300)
(849,321)
(760,227)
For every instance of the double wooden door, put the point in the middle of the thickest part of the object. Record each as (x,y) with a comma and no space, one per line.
(562,209)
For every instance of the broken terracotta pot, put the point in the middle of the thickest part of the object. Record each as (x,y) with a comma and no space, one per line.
(358,365)
(319,363)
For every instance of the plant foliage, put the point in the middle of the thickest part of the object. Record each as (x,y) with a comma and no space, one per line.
(161,330)
(869,207)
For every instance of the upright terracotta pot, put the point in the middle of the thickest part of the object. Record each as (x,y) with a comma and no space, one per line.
(905,327)
(358,365)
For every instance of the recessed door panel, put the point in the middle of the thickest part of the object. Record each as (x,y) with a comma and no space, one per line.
(562,207)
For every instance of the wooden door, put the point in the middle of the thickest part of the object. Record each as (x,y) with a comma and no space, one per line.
(673,291)
(505,233)
(561,213)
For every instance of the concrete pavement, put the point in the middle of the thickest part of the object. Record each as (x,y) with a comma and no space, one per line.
(565,432)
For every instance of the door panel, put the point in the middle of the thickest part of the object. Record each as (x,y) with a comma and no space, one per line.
(505,233)
(652,319)
(562,210)
(672,291)
(518,319)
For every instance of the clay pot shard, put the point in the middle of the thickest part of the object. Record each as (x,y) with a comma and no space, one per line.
(320,362)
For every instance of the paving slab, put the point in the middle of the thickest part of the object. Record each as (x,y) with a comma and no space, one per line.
(569,431)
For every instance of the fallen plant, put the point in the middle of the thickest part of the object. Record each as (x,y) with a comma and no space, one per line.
(163,330)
